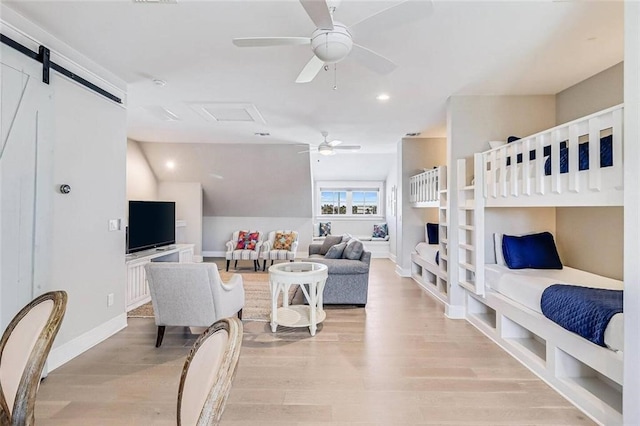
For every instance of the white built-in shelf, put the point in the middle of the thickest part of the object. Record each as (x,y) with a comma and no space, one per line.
(466,208)
(467,247)
(468,188)
(444,257)
(467,227)
(467,266)
(444,223)
(181,223)
(443,191)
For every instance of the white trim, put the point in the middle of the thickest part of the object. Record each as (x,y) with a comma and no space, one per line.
(455,311)
(66,352)
(392,257)
(403,272)
(213,253)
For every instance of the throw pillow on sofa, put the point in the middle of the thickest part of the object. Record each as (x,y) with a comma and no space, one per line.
(336,251)
(354,250)
(330,240)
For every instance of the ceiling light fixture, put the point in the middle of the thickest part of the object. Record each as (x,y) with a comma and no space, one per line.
(383,97)
(325,150)
(171,165)
(159,82)
(262,134)
(413,134)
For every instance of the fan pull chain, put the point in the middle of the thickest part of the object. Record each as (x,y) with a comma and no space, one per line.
(335,77)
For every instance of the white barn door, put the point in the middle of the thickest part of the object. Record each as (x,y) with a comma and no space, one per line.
(25,203)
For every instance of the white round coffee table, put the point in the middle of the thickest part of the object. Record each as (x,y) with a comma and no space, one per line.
(310,277)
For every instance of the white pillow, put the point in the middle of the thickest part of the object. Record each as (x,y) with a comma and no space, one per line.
(497,246)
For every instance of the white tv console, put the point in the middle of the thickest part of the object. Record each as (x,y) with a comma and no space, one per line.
(137,292)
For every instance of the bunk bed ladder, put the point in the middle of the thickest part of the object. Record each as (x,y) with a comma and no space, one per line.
(471,226)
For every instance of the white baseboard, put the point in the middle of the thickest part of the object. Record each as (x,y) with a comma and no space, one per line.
(66,352)
(392,257)
(213,253)
(403,272)
(455,311)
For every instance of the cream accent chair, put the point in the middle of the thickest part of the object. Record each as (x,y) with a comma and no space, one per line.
(271,253)
(24,348)
(191,295)
(243,254)
(208,372)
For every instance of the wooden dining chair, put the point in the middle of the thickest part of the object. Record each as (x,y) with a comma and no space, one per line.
(208,372)
(24,348)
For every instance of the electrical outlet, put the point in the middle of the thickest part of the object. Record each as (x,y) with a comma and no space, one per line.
(110,299)
(114,224)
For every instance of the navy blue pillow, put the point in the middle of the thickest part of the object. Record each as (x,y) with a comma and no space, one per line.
(432,233)
(537,251)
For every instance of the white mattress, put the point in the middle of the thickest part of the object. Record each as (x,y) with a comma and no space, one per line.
(427,251)
(526,286)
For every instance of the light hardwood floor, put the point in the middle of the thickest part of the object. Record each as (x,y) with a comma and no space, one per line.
(397,362)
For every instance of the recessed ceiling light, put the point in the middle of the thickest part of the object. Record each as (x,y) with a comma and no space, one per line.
(413,134)
(382,97)
(159,82)
(171,165)
(262,134)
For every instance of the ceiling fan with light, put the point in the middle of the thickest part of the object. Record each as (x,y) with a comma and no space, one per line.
(332,41)
(331,147)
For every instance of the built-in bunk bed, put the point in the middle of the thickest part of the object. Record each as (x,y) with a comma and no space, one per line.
(429,260)
(576,164)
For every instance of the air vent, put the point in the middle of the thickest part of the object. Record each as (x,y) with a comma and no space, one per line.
(161,113)
(228,112)
(413,134)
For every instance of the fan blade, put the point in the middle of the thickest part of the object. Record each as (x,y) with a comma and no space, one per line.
(270,41)
(310,70)
(319,13)
(348,147)
(394,16)
(372,60)
(304,152)
(335,143)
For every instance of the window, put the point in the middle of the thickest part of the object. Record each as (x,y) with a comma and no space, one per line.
(364,202)
(333,202)
(349,199)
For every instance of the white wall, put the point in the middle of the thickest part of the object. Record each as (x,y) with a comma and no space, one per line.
(141,182)
(472,121)
(351,166)
(603,90)
(390,216)
(188,199)
(89,154)
(599,228)
(631,394)
(217,230)
(417,154)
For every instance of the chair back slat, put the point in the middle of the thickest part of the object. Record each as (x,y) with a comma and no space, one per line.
(24,348)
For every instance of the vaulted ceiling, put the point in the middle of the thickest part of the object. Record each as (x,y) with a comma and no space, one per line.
(500,48)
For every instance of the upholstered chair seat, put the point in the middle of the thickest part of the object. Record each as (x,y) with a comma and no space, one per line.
(280,245)
(244,245)
(191,295)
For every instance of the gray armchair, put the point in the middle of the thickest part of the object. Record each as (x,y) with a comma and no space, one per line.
(191,295)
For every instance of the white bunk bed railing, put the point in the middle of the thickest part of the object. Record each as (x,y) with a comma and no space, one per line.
(424,188)
(544,169)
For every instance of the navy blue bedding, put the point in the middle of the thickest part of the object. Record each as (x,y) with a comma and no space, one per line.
(438,257)
(606,155)
(582,310)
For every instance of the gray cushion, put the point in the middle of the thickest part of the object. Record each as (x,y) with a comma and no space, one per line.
(335,252)
(353,250)
(330,240)
(344,266)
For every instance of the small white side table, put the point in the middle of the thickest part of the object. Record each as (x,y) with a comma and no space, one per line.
(281,277)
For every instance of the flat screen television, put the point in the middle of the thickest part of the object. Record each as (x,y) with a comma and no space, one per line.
(151,224)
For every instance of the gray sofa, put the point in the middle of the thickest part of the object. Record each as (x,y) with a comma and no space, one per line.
(348,281)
